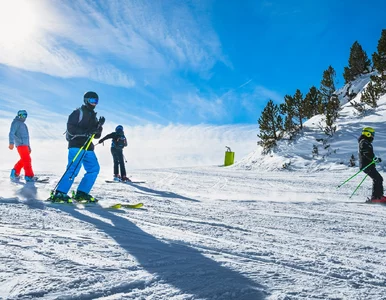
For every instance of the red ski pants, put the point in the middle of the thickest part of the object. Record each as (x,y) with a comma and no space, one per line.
(24,162)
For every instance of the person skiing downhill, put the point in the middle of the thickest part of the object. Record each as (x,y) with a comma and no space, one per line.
(81,125)
(19,137)
(118,142)
(366,157)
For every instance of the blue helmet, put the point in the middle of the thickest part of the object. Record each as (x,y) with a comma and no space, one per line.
(22,114)
(119,128)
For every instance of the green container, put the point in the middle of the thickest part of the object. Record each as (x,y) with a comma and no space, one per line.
(229,158)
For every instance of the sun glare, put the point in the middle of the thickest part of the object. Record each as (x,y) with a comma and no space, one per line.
(18,21)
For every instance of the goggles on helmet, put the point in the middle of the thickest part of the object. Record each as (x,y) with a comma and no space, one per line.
(93,101)
(22,114)
(368,132)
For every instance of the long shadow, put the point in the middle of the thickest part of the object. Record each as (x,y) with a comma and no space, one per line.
(159,193)
(174,263)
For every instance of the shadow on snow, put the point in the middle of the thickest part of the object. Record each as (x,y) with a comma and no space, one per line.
(174,263)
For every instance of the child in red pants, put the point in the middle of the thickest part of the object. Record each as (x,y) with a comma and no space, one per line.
(19,137)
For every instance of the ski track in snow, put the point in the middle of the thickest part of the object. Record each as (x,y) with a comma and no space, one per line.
(204,233)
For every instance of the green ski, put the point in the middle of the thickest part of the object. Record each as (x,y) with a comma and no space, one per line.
(123,205)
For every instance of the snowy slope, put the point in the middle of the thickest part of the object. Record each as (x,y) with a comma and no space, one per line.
(335,152)
(204,233)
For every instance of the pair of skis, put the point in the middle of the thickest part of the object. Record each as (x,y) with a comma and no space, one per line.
(89,204)
(124,182)
(122,205)
(39,180)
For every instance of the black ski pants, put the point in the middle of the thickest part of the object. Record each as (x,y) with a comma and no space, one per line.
(377,182)
(119,162)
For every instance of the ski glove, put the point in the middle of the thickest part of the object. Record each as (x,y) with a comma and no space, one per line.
(101,121)
(377,160)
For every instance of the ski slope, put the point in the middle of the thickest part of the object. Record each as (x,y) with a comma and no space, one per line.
(204,233)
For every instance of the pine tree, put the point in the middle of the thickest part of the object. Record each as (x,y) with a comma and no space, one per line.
(271,125)
(327,88)
(374,90)
(287,109)
(299,107)
(379,59)
(358,63)
(294,108)
(352,161)
(315,151)
(332,113)
(311,102)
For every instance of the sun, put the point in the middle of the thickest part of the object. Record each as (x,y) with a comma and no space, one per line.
(18,21)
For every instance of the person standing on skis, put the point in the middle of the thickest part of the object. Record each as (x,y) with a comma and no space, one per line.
(367,160)
(118,142)
(82,124)
(19,137)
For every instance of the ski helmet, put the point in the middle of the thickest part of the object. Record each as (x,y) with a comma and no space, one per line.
(368,132)
(22,114)
(91,98)
(119,128)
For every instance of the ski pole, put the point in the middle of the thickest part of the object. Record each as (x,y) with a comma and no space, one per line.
(83,154)
(69,166)
(373,162)
(358,186)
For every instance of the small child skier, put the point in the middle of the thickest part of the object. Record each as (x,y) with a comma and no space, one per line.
(118,142)
(366,157)
(19,138)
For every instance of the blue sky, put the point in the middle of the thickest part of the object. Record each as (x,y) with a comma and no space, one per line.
(175,62)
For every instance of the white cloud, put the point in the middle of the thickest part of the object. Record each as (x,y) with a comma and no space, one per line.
(91,39)
(205,108)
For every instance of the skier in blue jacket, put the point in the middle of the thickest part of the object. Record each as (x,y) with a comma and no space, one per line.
(81,125)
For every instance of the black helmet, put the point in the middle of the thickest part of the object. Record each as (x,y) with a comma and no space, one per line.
(119,128)
(90,99)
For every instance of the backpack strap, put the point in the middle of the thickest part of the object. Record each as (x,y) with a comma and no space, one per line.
(70,136)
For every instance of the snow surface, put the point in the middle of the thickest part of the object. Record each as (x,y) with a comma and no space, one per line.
(204,233)
(250,231)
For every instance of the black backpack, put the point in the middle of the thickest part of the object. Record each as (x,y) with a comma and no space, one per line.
(119,142)
(69,136)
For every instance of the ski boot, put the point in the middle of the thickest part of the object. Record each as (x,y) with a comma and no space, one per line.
(381,200)
(13,175)
(117,178)
(31,178)
(125,179)
(59,197)
(83,197)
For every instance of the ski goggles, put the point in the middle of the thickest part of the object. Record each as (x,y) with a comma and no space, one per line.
(22,114)
(93,101)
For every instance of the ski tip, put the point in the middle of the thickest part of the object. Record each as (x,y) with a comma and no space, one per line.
(120,205)
(138,205)
(115,206)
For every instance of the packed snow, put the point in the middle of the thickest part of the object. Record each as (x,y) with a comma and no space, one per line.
(255,230)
